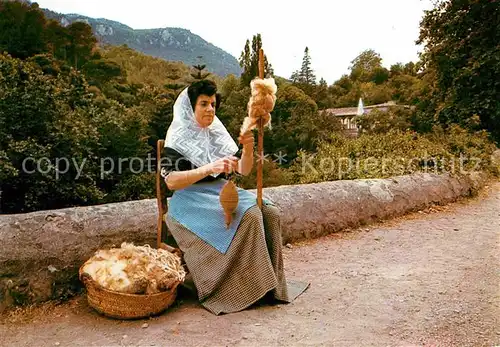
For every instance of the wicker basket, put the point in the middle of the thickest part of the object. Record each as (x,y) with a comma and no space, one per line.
(126,306)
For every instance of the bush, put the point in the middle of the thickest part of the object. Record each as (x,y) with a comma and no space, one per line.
(394,153)
(272,175)
(378,122)
(46,120)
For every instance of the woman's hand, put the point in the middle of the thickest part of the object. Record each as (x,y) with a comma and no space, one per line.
(247,140)
(246,162)
(224,165)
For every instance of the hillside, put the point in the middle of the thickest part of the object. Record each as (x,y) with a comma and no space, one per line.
(173,44)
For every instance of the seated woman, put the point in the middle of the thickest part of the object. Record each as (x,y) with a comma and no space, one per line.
(232,268)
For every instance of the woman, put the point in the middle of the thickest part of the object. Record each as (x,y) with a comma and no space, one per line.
(231,268)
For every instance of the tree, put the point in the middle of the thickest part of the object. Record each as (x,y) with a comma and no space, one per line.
(396,69)
(143,69)
(344,83)
(44,117)
(249,61)
(58,40)
(297,124)
(321,95)
(306,74)
(198,73)
(367,67)
(22,29)
(411,69)
(295,78)
(369,91)
(461,50)
(404,88)
(305,78)
(101,71)
(39,123)
(245,57)
(381,122)
(379,75)
(81,43)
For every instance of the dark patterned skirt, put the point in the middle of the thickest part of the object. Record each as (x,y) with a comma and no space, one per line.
(251,268)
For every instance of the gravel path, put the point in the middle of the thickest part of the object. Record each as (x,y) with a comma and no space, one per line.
(428,279)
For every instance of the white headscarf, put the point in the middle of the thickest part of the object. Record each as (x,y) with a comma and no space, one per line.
(197,144)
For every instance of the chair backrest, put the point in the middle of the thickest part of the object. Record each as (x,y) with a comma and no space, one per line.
(160,199)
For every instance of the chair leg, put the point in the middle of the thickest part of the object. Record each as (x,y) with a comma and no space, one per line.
(159,197)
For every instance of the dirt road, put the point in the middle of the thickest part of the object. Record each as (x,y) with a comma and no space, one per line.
(432,278)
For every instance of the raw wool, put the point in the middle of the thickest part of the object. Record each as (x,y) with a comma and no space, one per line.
(261,103)
(229,201)
(135,269)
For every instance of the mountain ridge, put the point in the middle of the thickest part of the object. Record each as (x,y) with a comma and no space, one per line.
(169,43)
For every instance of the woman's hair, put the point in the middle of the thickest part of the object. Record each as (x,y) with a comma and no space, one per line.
(203,87)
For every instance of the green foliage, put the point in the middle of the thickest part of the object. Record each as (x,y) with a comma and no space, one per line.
(146,70)
(102,71)
(305,78)
(297,124)
(100,123)
(371,93)
(380,122)
(25,32)
(372,82)
(462,53)
(306,74)
(104,110)
(272,176)
(199,72)
(41,120)
(170,43)
(234,107)
(404,88)
(322,96)
(46,120)
(22,29)
(367,67)
(249,61)
(81,44)
(395,153)
(199,75)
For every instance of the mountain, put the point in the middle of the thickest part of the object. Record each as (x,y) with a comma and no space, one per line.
(173,44)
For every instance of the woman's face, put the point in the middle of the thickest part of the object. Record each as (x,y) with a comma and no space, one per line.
(204,111)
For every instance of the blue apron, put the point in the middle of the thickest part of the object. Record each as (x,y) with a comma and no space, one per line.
(198,208)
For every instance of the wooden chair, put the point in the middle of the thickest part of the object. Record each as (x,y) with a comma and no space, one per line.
(164,238)
(161,200)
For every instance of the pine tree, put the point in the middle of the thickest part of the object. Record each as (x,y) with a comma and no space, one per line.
(295,78)
(199,74)
(249,61)
(306,74)
(321,95)
(81,43)
(245,59)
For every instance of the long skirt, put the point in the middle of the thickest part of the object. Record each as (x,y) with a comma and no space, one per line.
(251,268)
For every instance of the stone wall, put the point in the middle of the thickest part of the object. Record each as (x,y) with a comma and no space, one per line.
(41,252)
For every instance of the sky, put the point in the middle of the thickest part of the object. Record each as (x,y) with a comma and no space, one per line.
(334,31)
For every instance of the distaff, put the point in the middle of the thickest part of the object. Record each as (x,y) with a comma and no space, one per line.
(260,105)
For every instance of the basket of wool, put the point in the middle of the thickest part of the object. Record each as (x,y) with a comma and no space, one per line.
(132,281)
